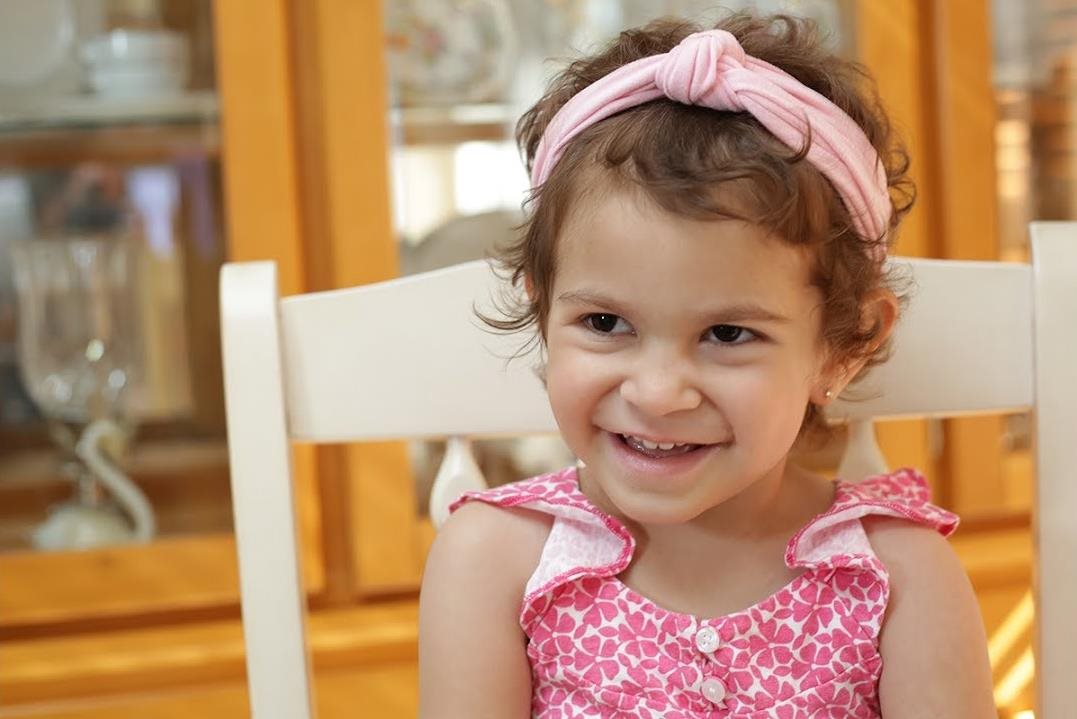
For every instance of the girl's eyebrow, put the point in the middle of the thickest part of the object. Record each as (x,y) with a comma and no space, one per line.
(741,311)
(744,311)
(586,297)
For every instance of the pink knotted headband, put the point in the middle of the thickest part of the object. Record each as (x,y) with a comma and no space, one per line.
(711,69)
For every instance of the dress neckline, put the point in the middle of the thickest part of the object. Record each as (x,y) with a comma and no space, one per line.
(840,492)
(615,524)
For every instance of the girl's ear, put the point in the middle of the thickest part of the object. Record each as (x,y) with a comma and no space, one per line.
(880,308)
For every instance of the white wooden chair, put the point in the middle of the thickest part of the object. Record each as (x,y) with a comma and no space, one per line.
(407,358)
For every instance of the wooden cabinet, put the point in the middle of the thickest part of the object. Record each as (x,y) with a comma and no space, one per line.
(92,627)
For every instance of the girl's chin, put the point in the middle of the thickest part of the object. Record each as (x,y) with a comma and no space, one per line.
(655,509)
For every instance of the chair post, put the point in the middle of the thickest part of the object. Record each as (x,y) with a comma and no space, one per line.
(278,667)
(1054,260)
(862,457)
(458,473)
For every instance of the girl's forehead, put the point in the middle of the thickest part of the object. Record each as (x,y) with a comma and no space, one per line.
(622,244)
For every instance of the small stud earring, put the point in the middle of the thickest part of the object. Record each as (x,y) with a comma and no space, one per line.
(828,394)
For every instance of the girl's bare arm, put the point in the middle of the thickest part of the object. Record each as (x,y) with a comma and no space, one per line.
(472,651)
(933,645)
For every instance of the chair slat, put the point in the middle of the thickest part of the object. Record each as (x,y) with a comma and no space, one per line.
(963,346)
(414,351)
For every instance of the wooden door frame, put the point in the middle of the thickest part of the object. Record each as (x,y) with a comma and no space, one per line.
(256,83)
(965,120)
(891,44)
(373,536)
(933,65)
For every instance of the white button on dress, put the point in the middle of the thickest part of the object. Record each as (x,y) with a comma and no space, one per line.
(713,690)
(707,640)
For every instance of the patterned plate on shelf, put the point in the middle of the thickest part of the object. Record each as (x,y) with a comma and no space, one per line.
(450,51)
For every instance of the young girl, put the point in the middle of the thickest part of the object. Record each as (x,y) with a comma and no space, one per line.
(703,263)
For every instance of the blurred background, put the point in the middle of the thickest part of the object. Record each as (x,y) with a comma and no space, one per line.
(145,142)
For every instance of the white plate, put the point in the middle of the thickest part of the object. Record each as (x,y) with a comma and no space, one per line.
(35,39)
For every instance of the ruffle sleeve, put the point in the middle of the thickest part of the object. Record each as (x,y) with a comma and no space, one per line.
(583,540)
(836,537)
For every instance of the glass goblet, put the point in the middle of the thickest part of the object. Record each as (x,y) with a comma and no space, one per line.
(79,355)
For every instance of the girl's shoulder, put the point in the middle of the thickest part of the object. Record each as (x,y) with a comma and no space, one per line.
(480,561)
(507,534)
(899,520)
(558,498)
(580,539)
(492,536)
(469,608)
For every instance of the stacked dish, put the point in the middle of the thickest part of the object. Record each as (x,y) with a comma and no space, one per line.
(136,63)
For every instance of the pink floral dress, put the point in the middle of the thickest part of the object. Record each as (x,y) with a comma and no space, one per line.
(599,649)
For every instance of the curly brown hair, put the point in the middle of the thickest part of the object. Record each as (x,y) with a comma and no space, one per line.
(679,157)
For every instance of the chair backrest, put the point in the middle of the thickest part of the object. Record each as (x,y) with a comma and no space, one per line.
(409,358)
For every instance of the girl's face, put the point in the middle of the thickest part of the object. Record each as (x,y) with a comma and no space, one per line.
(675,331)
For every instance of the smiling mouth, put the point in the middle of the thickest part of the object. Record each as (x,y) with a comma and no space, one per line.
(658,450)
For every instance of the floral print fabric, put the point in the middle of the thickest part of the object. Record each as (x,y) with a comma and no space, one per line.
(597,648)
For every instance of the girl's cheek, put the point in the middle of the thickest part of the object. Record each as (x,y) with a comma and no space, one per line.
(759,403)
(566,378)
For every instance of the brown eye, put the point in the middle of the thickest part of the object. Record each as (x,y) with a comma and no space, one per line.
(601,322)
(731,334)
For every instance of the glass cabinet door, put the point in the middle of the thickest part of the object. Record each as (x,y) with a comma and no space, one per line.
(114,167)
(142,143)
(109,146)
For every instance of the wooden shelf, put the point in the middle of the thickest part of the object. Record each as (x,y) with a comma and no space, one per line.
(78,112)
(123,145)
(64,131)
(185,480)
(169,457)
(452,124)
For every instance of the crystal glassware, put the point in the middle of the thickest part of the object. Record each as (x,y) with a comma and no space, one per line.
(79,353)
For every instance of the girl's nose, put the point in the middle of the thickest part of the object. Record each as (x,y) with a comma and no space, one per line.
(659,390)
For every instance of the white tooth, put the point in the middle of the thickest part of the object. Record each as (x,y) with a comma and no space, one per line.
(649,445)
(664,445)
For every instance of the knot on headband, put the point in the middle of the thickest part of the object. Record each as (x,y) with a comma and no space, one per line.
(711,69)
(696,71)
